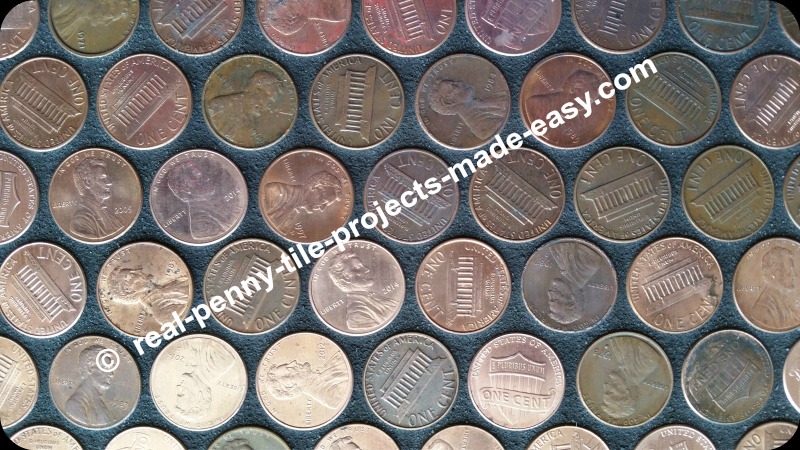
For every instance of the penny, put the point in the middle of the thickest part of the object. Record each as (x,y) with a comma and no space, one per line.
(45,437)
(791,191)
(409,27)
(622,194)
(304,380)
(721,26)
(675,437)
(18,28)
(764,100)
(198,382)
(94,382)
(356,436)
(462,101)
(250,101)
(19,197)
(728,193)
(398,173)
(569,284)
(513,27)
(791,376)
(518,198)
(42,289)
(624,379)
(144,101)
(305,194)
(619,27)
(768,436)
(553,91)
(357,101)
(305,27)
(91,28)
(19,383)
(144,438)
(462,437)
(788,23)
(95,196)
(410,381)
(567,437)
(198,197)
(675,285)
(248,438)
(196,27)
(463,285)
(357,290)
(727,376)
(679,104)
(43,103)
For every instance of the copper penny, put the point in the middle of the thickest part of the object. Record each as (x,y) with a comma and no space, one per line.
(791,192)
(569,284)
(675,437)
(462,437)
(304,380)
(553,91)
(463,101)
(356,436)
(95,196)
(768,436)
(93,28)
(196,27)
(45,437)
(248,438)
(409,27)
(788,23)
(42,289)
(791,376)
(463,285)
(249,101)
(198,197)
(19,383)
(513,27)
(144,101)
(728,193)
(569,438)
(674,285)
(144,438)
(43,103)
(618,26)
(624,379)
(304,27)
(721,26)
(20,197)
(410,381)
(622,194)
(18,28)
(305,194)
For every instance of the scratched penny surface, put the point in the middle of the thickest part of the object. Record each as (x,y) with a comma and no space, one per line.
(43,103)
(42,289)
(619,27)
(144,438)
(304,381)
(767,436)
(410,381)
(513,27)
(409,28)
(567,437)
(45,437)
(356,436)
(462,437)
(791,376)
(144,101)
(20,197)
(248,438)
(791,191)
(19,385)
(18,28)
(675,437)
(305,27)
(93,28)
(724,27)
(789,23)
(196,27)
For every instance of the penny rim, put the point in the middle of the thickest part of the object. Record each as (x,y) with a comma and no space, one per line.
(696,41)
(529,49)
(417,31)
(270,440)
(791,192)
(645,43)
(260,7)
(120,43)
(791,370)
(14,353)
(31,27)
(374,437)
(216,47)
(151,432)
(33,188)
(34,431)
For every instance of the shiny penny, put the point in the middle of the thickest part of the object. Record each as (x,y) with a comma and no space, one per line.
(463,285)
(410,381)
(409,28)
(462,437)
(768,436)
(43,103)
(198,197)
(463,101)
(624,379)
(304,380)
(198,382)
(513,27)
(568,437)
(791,376)
(196,27)
(18,28)
(20,197)
(622,194)
(249,438)
(721,26)
(45,437)
(93,28)
(144,101)
(144,438)
(549,99)
(727,376)
(306,27)
(569,284)
(789,23)
(619,27)
(305,194)
(19,386)
(42,289)
(675,437)
(356,436)
(791,192)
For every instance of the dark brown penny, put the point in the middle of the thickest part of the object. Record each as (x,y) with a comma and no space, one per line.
(768,436)
(45,437)
(304,27)
(19,383)
(789,23)
(569,438)
(18,28)
(409,27)
(462,437)
(355,436)
(619,26)
(20,197)
(92,28)
(513,27)
(144,438)
(196,27)
(724,26)
(675,437)
(791,191)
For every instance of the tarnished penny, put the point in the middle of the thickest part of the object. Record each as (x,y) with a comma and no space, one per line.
(675,437)
(619,26)
(767,436)
(550,94)
(249,101)
(18,28)
(198,382)
(19,197)
(791,376)
(198,197)
(765,98)
(518,198)
(19,382)
(724,26)
(304,380)
(513,27)
(516,381)
(679,104)
(45,437)
(462,437)
(791,191)
(463,285)
(144,438)
(92,28)
(43,103)
(356,436)
(463,101)
(95,196)
(144,101)
(675,285)
(305,194)
(409,27)
(94,382)
(410,381)
(569,284)
(305,27)
(568,438)
(42,289)
(358,290)
(143,286)
(727,376)
(728,193)
(624,379)
(766,286)
(248,438)
(196,26)
(788,23)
